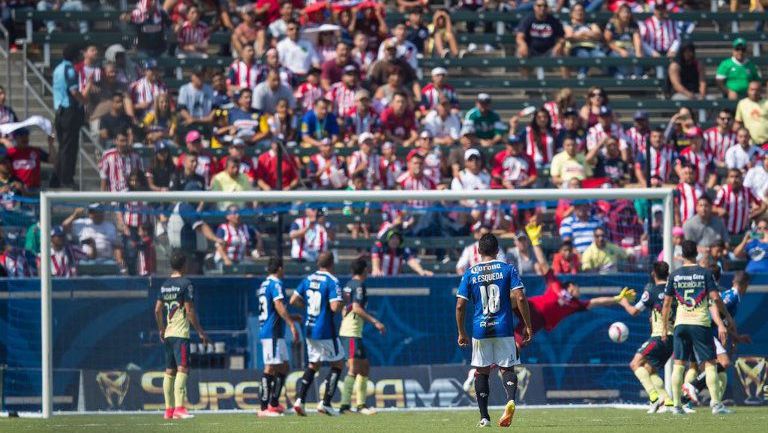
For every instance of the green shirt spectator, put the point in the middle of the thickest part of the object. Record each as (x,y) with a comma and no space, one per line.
(734,74)
(32,238)
(487,123)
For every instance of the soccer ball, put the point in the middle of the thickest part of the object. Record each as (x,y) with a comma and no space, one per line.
(618,332)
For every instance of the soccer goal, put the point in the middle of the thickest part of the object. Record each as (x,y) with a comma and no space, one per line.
(434,226)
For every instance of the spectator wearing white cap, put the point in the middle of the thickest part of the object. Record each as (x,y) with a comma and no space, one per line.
(467,140)
(365,161)
(438,88)
(96,235)
(473,177)
(434,160)
(443,123)
(487,123)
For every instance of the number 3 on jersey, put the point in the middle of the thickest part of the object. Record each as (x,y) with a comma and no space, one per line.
(263,311)
(313,301)
(490,297)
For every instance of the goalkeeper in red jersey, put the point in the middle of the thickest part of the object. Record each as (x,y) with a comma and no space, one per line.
(559,300)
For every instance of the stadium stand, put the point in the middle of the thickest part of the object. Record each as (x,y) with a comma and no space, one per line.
(485,64)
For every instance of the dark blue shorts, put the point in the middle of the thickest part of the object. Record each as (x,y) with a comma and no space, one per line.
(355,348)
(694,343)
(176,353)
(656,352)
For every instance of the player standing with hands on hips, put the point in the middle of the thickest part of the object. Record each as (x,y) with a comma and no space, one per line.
(491,286)
(698,304)
(176,297)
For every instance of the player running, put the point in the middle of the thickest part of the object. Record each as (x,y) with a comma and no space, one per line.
(273,315)
(491,286)
(320,293)
(731,300)
(355,297)
(698,304)
(177,298)
(655,352)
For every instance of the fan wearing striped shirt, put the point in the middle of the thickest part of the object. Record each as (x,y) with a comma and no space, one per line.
(737,204)
(388,256)
(579,227)
(240,240)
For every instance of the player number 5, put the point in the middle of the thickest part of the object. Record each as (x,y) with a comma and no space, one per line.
(490,297)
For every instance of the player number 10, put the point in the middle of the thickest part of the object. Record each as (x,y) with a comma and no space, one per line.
(490,296)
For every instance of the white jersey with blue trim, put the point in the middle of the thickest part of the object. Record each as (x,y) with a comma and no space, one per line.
(488,286)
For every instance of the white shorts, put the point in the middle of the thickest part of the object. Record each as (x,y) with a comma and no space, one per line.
(719,349)
(500,351)
(329,350)
(274,351)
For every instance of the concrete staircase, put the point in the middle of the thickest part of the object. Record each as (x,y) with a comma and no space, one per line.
(42,105)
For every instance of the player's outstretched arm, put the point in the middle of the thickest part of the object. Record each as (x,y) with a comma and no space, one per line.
(192,317)
(159,319)
(521,301)
(461,310)
(607,301)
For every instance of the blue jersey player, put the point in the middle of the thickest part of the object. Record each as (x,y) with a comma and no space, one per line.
(320,294)
(490,287)
(273,316)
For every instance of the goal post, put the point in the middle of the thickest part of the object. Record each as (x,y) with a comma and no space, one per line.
(51,198)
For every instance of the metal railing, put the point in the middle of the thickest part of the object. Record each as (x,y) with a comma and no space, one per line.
(45,88)
(7,54)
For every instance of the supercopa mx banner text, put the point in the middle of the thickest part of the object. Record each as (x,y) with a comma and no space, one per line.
(421,386)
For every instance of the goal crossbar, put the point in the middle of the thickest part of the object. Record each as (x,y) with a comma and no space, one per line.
(50,198)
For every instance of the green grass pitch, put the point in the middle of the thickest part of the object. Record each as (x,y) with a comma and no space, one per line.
(744,420)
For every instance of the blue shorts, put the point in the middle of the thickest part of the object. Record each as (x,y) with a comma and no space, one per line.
(176,353)
(694,343)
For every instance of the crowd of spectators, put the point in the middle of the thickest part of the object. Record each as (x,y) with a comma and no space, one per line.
(331,76)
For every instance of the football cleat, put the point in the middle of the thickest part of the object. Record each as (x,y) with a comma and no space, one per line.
(326,410)
(485,422)
(298,408)
(509,412)
(345,409)
(690,392)
(168,413)
(279,408)
(365,410)
(676,410)
(470,382)
(720,409)
(655,405)
(688,408)
(181,413)
(266,413)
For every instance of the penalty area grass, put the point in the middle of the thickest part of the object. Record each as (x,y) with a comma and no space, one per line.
(743,420)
